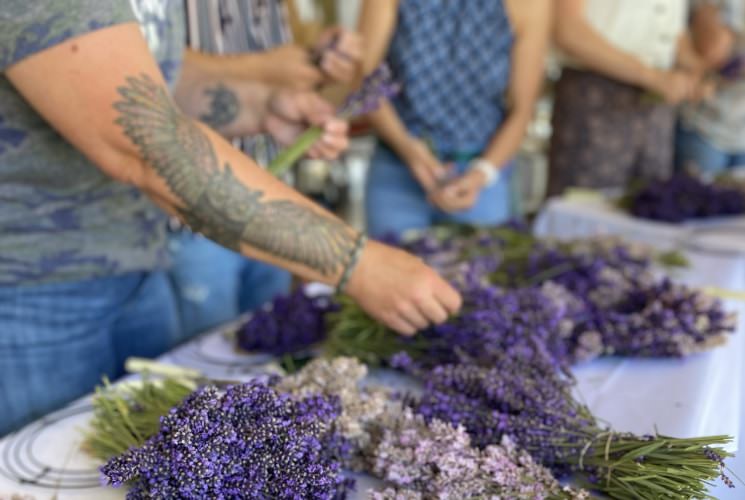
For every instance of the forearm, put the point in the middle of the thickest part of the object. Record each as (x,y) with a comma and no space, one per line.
(580,40)
(507,140)
(219,92)
(389,128)
(221,193)
(376,24)
(110,102)
(712,39)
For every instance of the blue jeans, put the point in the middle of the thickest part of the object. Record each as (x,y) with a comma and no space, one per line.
(214,285)
(396,203)
(692,150)
(58,340)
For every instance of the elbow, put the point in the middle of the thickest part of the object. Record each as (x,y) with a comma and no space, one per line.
(123,166)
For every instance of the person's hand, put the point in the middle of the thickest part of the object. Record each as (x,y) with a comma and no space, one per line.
(340,53)
(290,66)
(705,90)
(290,112)
(461,193)
(425,166)
(400,291)
(675,86)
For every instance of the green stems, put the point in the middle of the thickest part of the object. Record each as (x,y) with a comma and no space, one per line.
(287,158)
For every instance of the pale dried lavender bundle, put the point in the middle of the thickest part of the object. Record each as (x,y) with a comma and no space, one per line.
(437,460)
(361,408)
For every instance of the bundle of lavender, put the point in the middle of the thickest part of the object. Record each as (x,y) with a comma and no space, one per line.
(420,460)
(288,441)
(246,441)
(533,405)
(376,88)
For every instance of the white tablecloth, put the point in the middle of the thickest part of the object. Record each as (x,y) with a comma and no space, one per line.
(716,250)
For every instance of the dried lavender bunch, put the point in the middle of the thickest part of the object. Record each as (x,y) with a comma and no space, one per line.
(375,89)
(247,442)
(362,409)
(436,460)
(683,197)
(659,319)
(391,443)
(289,324)
(535,407)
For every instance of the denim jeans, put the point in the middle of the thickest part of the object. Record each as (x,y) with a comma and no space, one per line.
(214,285)
(396,203)
(58,340)
(692,150)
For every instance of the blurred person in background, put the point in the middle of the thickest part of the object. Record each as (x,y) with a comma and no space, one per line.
(711,134)
(626,65)
(213,284)
(470,71)
(94,152)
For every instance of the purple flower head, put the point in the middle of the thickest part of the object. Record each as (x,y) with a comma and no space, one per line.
(288,324)
(246,442)
(376,87)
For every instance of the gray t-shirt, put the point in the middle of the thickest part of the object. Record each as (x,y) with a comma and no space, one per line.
(61,218)
(721,120)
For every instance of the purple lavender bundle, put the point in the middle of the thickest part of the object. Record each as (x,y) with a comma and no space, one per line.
(247,442)
(684,197)
(289,324)
(535,407)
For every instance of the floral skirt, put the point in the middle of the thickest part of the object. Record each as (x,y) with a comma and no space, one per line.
(607,133)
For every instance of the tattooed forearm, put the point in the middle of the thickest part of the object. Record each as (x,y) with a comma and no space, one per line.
(224,106)
(213,201)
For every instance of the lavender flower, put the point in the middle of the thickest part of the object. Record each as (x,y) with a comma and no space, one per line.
(288,324)
(376,88)
(436,460)
(535,407)
(248,442)
(683,197)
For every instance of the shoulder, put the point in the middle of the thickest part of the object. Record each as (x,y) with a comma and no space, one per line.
(528,14)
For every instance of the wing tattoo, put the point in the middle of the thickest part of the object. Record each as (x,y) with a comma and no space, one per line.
(214,201)
(169,142)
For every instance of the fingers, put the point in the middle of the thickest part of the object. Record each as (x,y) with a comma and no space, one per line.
(433,310)
(333,142)
(401,326)
(313,108)
(338,67)
(414,317)
(341,60)
(306,77)
(350,45)
(283,131)
(448,297)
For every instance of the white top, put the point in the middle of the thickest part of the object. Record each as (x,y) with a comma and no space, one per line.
(647,29)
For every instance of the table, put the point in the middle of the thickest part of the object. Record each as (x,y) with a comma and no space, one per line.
(696,396)
(716,247)
(716,250)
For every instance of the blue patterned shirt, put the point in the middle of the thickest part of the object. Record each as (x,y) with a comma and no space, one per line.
(453,59)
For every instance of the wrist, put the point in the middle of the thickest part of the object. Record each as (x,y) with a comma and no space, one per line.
(487,171)
(652,79)
(352,262)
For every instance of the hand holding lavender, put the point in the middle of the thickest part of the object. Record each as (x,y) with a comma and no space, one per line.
(376,88)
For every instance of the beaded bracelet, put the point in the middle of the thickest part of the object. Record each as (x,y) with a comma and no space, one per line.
(354,257)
